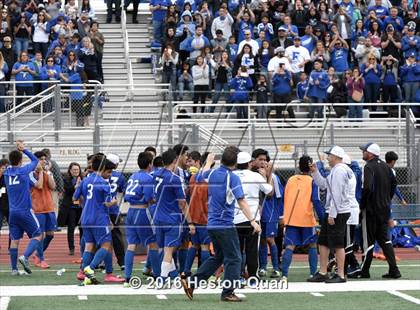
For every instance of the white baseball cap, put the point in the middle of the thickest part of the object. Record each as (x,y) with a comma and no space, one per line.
(244,157)
(113,158)
(346,159)
(336,151)
(372,148)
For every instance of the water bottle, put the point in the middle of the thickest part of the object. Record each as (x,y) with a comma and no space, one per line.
(61,271)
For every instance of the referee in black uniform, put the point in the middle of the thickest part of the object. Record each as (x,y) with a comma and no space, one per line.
(379,185)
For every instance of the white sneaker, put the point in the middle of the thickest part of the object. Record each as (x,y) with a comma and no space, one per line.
(262,272)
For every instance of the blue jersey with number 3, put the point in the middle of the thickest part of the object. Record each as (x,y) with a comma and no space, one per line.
(18,183)
(96,191)
(117,183)
(168,191)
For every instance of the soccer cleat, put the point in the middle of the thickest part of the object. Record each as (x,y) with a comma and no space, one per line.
(147,272)
(231,298)
(336,279)
(90,274)
(187,289)
(25,264)
(262,272)
(44,265)
(122,267)
(37,261)
(275,274)
(317,277)
(284,279)
(126,285)
(87,281)
(109,277)
(80,275)
(18,273)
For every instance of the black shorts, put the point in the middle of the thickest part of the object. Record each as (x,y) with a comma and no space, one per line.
(333,236)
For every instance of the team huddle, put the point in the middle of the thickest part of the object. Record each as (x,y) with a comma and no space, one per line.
(181,206)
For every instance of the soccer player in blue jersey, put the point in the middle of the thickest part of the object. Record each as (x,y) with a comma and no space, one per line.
(139,230)
(95,218)
(117,182)
(225,190)
(22,219)
(171,210)
(272,209)
(181,151)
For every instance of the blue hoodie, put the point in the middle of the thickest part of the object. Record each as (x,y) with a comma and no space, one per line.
(354,166)
(281,83)
(190,25)
(241,85)
(371,77)
(410,74)
(318,91)
(391,21)
(301,89)
(56,70)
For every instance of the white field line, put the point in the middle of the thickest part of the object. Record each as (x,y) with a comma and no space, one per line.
(405,296)
(317,294)
(242,296)
(82,297)
(160,296)
(4,302)
(76,269)
(293,287)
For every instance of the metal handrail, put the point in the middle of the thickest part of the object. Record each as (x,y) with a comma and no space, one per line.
(127,54)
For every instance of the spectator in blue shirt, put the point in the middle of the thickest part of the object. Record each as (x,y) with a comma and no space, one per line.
(309,40)
(317,88)
(158,9)
(372,72)
(245,20)
(381,11)
(339,50)
(394,20)
(281,89)
(302,86)
(225,189)
(410,42)
(241,85)
(410,77)
(24,71)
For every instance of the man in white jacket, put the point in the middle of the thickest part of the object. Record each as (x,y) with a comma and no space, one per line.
(224,22)
(252,183)
(338,208)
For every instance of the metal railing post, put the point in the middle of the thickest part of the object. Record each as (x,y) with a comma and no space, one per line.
(10,136)
(408,138)
(96,129)
(253,135)
(57,112)
(418,173)
(195,137)
(305,147)
(332,134)
(170,108)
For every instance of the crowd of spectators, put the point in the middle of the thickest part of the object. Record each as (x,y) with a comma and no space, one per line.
(51,42)
(278,51)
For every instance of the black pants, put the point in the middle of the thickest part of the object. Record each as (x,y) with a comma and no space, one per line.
(350,259)
(248,242)
(23,91)
(283,98)
(109,9)
(73,220)
(375,229)
(279,240)
(200,93)
(117,239)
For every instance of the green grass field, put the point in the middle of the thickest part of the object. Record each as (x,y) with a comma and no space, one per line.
(253,300)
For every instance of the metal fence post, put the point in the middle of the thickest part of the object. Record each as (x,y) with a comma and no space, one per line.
(57,112)
(332,134)
(253,135)
(418,173)
(170,108)
(96,129)
(10,135)
(195,137)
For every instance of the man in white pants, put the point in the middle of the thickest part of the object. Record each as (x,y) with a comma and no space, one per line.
(252,183)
